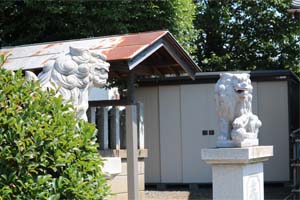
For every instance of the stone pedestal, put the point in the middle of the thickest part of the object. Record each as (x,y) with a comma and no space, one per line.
(118,183)
(238,172)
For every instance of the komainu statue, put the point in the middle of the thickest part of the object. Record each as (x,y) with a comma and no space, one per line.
(238,126)
(72,75)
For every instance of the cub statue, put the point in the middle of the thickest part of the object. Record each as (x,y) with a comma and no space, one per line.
(238,126)
(72,75)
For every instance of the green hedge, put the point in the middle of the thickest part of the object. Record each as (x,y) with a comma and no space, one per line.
(45,153)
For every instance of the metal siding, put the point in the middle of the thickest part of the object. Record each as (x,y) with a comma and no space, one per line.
(149,96)
(273,112)
(254,99)
(198,112)
(170,134)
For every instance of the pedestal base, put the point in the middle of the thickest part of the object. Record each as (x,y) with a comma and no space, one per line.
(238,172)
(111,167)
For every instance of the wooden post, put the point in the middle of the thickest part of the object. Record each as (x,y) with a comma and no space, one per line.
(141,128)
(131,139)
(123,128)
(114,128)
(88,114)
(132,154)
(131,89)
(102,125)
(93,115)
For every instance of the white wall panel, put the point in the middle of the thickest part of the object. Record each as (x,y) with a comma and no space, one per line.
(149,96)
(198,112)
(170,134)
(273,112)
(254,98)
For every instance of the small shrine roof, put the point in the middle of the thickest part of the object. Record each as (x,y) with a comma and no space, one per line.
(147,53)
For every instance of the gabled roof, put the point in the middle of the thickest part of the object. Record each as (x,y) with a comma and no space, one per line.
(148,53)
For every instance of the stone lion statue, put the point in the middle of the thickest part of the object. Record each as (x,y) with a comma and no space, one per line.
(72,75)
(238,125)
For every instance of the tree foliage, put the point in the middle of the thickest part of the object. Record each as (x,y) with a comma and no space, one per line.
(232,34)
(45,153)
(31,21)
(247,35)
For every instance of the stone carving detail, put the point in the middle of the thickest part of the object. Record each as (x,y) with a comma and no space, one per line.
(238,125)
(72,75)
(253,190)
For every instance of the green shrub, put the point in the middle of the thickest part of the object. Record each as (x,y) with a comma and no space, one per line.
(45,153)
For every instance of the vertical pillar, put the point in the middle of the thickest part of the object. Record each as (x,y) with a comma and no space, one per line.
(141,128)
(102,125)
(123,128)
(114,128)
(93,115)
(132,154)
(88,114)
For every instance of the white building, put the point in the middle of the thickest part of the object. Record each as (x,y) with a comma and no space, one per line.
(181,119)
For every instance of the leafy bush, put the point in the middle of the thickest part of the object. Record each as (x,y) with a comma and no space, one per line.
(45,153)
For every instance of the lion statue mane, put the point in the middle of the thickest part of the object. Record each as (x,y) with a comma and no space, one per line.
(72,75)
(238,126)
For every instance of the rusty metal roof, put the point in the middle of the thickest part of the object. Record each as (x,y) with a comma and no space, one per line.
(147,53)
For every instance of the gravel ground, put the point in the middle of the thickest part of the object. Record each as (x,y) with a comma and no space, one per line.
(175,195)
(271,193)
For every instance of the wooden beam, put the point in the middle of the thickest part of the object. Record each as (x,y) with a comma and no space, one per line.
(143,70)
(157,72)
(144,54)
(173,71)
(131,88)
(293,10)
(105,103)
(179,60)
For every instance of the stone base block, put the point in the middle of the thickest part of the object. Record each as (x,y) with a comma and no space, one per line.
(237,155)
(245,182)
(238,172)
(118,184)
(111,167)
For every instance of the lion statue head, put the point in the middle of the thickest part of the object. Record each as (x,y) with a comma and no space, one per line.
(72,75)
(233,94)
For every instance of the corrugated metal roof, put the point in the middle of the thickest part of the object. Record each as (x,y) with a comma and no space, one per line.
(295,4)
(131,49)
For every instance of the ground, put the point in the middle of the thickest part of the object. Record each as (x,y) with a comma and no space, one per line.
(272,192)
